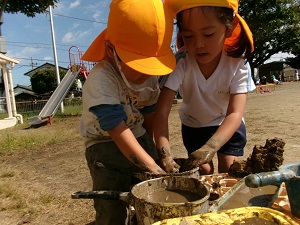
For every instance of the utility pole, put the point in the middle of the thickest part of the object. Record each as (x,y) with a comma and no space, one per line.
(55,55)
(32,63)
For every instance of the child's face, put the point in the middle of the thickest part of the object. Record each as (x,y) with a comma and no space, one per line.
(133,75)
(203,35)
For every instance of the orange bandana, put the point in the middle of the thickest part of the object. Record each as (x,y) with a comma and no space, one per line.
(177,6)
(141,33)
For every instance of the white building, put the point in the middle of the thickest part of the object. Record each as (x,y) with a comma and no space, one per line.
(291,74)
(7,63)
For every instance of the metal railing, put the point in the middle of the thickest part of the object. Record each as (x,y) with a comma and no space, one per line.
(35,106)
(3,108)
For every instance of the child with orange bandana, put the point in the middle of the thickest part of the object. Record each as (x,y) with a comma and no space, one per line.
(213,81)
(119,98)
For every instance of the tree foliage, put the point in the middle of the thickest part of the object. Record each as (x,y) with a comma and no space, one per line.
(44,81)
(295,62)
(28,7)
(275,27)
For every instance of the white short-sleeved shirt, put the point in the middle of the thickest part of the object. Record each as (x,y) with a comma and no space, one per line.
(205,101)
(105,85)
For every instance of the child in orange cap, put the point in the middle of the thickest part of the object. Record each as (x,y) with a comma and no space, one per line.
(212,79)
(119,98)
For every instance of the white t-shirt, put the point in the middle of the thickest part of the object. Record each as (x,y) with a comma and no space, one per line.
(105,85)
(205,101)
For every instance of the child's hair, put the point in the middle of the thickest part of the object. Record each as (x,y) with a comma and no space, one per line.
(179,41)
(241,46)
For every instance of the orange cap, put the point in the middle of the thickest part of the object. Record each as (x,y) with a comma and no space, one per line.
(141,32)
(176,6)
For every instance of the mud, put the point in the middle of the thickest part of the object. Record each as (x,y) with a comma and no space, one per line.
(263,159)
(148,212)
(246,196)
(194,173)
(172,196)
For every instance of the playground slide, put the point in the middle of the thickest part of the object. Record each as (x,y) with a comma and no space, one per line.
(56,98)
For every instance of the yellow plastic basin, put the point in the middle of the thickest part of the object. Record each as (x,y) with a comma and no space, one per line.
(233,216)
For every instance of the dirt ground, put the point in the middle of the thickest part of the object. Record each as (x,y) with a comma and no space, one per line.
(35,186)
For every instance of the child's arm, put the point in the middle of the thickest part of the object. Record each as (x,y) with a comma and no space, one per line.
(111,118)
(148,122)
(132,150)
(161,130)
(229,126)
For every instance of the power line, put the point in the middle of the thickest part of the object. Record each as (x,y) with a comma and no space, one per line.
(37,43)
(30,65)
(76,18)
(46,46)
(39,60)
(24,46)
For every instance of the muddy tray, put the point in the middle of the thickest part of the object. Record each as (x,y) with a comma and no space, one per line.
(282,204)
(219,184)
(229,193)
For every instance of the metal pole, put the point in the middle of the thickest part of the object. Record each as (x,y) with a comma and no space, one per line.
(55,55)
(7,90)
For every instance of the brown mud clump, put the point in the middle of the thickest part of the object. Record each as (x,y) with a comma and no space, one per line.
(263,159)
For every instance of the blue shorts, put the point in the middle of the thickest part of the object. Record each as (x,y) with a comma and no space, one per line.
(195,138)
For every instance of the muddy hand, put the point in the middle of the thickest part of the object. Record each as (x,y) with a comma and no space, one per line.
(169,165)
(155,169)
(166,160)
(197,158)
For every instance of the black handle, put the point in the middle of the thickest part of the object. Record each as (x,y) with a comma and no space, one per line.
(106,195)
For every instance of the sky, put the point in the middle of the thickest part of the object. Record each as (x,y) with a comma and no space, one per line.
(76,23)
(29,40)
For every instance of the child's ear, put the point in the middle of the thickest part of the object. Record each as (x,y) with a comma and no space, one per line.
(233,26)
(109,49)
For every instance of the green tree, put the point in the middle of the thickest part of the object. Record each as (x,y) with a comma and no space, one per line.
(44,81)
(28,7)
(294,62)
(275,27)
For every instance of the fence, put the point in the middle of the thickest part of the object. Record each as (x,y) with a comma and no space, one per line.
(3,108)
(35,106)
